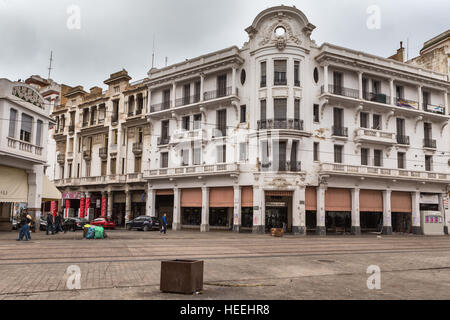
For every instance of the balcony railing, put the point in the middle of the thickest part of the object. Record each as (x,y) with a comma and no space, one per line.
(60,158)
(292,124)
(71,128)
(381,172)
(377,97)
(403,140)
(429,143)
(165,105)
(192,170)
(263,82)
(340,131)
(137,148)
(163,141)
(187,100)
(280,79)
(433,108)
(375,135)
(287,166)
(103,153)
(218,93)
(341,91)
(87,154)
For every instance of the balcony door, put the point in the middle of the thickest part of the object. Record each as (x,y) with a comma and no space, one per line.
(186,94)
(281,155)
(221,85)
(338,118)
(401,127)
(164,130)
(280,111)
(222,122)
(338,82)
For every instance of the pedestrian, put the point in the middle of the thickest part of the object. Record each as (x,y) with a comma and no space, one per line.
(24,230)
(58,223)
(50,223)
(164,224)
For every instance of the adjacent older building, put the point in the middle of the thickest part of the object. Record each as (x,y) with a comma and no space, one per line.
(279,133)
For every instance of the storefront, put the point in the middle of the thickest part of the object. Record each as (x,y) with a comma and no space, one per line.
(338,208)
(13,192)
(311,209)
(191,208)
(246,208)
(401,207)
(137,205)
(279,210)
(371,210)
(164,201)
(221,203)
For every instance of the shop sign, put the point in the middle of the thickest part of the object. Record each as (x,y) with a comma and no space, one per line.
(429,199)
(71,195)
(276,204)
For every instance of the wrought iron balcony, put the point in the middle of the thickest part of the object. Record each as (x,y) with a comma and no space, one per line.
(137,148)
(291,124)
(377,97)
(165,105)
(218,93)
(433,108)
(187,100)
(429,143)
(280,79)
(341,91)
(340,131)
(71,128)
(87,154)
(103,153)
(163,141)
(61,158)
(403,140)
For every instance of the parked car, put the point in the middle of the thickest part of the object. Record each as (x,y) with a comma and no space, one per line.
(145,223)
(74,224)
(103,222)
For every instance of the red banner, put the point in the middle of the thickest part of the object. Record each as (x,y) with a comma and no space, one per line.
(82,208)
(54,208)
(66,215)
(88,205)
(104,204)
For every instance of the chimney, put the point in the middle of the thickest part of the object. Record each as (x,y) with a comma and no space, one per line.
(400,55)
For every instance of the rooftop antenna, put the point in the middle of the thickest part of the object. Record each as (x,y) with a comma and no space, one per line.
(50,66)
(153,54)
(407,49)
(167,60)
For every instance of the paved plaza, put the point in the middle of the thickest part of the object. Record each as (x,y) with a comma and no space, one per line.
(237,266)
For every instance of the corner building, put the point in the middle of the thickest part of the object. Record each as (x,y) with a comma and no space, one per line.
(284,133)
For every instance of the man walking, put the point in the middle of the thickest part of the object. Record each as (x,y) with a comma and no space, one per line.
(50,223)
(24,230)
(164,224)
(58,223)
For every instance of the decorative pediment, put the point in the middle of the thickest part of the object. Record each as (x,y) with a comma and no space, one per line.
(29,95)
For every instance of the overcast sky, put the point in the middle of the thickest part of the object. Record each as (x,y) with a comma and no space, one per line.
(116,34)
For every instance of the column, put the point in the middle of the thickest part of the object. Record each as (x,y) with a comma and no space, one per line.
(110,204)
(415,198)
(104,204)
(35,193)
(202,87)
(237,222)
(392,92)
(174,94)
(325,78)
(205,210)
(321,227)
(259,210)
(420,97)
(360,86)
(149,100)
(151,202)
(66,211)
(299,211)
(233,81)
(387,218)
(356,227)
(176,224)
(444,208)
(82,207)
(127,206)
(87,205)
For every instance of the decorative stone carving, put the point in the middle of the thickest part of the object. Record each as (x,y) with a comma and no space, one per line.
(270,37)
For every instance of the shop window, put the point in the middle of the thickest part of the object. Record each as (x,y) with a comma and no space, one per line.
(218,217)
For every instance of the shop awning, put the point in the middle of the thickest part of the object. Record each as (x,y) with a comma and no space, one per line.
(370,201)
(191,198)
(13,185)
(338,200)
(49,191)
(221,197)
(247,197)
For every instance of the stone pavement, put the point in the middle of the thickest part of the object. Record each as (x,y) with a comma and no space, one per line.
(237,266)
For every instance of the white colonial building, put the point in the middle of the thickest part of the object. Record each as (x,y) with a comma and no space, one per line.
(279,133)
(25,118)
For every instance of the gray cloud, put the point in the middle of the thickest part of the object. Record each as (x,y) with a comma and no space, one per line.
(119,34)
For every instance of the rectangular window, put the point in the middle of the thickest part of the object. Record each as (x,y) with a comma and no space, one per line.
(197,91)
(280,109)
(281,156)
(221,120)
(221,86)
(316,113)
(78,170)
(197,121)
(123,166)
(114,137)
(280,73)
(364,157)
(399,92)
(115,113)
(113,166)
(70,170)
(103,168)
(79,144)
(243,151)
(164,160)
(427,130)
(25,130)
(376,87)
(294,163)
(61,171)
(137,164)
(221,154)
(376,122)
(164,132)
(378,158)
(428,163)
(297,109)
(186,123)
(364,120)
(316,151)
(197,156)
(401,157)
(38,133)
(296,73)
(12,123)
(243,114)
(338,154)
(184,157)
(263,74)
(263,110)
(338,83)
(166,99)
(265,156)
(426,99)
(186,94)
(88,168)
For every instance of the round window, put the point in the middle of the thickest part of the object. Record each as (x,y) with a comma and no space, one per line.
(316,75)
(243,76)
(280,31)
